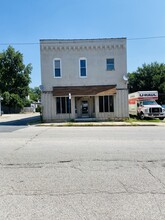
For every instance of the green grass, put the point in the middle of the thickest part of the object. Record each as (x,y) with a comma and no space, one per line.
(130,120)
(35,122)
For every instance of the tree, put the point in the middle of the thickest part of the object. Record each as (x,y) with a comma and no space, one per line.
(148,77)
(35,94)
(14,78)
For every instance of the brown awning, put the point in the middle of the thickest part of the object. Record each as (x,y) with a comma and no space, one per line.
(84,90)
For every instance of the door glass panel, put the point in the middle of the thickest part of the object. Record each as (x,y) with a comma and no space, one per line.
(84,107)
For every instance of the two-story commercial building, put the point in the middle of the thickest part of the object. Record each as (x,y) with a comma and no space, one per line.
(84,78)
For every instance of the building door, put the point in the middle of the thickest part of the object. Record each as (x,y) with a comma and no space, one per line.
(84,107)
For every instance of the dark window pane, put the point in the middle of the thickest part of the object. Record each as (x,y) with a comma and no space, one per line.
(93,104)
(68,105)
(57,73)
(57,64)
(83,72)
(111,105)
(110,64)
(57,68)
(63,105)
(105,103)
(82,67)
(100,103)
(76,105)
(58,105)
(110,61)
(83,63)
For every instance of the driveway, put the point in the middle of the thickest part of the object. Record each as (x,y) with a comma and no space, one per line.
(13,122)
(18,119)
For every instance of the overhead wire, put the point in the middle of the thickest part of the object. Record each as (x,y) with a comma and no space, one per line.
(128,39)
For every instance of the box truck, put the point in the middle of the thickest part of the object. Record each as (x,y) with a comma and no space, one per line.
(143,105)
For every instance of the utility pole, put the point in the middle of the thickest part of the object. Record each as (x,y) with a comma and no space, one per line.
(69,104)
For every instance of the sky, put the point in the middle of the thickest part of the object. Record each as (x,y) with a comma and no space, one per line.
(142,22)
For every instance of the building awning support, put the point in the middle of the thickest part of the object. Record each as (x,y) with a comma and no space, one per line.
(97,90)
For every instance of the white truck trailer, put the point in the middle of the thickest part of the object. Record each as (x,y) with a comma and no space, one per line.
(143,105)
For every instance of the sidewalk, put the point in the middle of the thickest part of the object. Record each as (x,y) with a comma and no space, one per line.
(14,117)
(96,124)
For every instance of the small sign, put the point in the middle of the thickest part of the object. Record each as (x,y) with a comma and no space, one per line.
(70,96)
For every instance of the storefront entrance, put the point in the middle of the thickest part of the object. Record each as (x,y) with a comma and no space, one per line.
(84,109)
(85,106)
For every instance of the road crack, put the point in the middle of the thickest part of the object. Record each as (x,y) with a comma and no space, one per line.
(40,193)
(124,186)
(156,178)
(31,139)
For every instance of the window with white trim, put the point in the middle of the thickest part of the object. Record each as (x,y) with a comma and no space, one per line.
(110,64)
(57,68)
(83,67)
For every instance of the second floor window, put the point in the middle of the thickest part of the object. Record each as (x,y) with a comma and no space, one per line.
(110,64)
(57,68)
(83,67)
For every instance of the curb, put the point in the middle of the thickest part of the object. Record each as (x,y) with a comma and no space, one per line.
(100,124)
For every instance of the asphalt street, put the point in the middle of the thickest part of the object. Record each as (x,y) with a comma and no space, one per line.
(110,173)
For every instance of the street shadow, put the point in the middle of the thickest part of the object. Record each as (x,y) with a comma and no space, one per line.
(21,122)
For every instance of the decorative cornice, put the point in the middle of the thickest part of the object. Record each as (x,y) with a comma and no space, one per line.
(48,47)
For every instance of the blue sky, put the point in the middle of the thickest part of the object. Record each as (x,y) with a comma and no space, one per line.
(31,20)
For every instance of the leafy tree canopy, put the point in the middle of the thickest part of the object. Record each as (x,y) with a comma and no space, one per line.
(14,78)
(35,94)
(148,77)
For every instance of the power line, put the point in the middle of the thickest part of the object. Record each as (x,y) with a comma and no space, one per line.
(146,38)
(128,39)
(5,44)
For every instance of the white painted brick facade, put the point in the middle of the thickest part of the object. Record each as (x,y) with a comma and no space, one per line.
(95,51)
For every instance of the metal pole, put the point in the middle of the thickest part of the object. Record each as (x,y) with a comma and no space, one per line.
(69,109)
(69,105)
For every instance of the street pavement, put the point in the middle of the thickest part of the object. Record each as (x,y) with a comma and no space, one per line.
(109,173)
